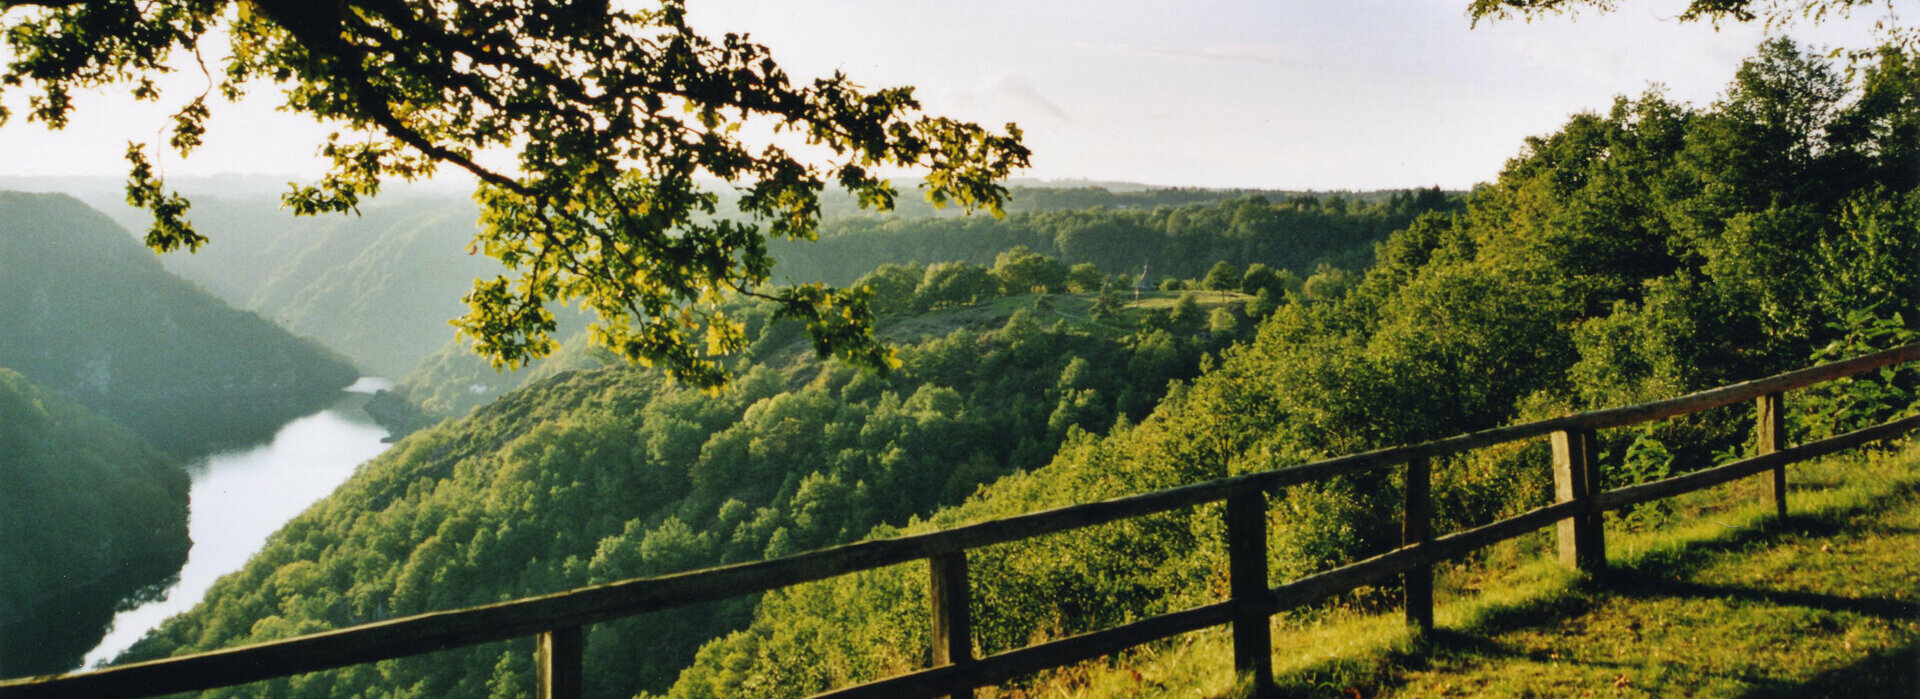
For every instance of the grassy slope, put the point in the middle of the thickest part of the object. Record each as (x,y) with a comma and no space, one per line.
(1716,600)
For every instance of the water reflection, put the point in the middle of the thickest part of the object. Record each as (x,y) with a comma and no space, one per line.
(239,497)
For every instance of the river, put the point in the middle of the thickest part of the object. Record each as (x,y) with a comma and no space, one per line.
(241,496)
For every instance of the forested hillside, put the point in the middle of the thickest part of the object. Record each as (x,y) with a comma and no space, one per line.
(378,288)
(87,312)
(588,477)
(1650,250)
(89,516)
(915,263)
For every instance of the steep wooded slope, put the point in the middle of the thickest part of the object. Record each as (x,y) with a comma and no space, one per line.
(89,515)
(588,477)
(88,312)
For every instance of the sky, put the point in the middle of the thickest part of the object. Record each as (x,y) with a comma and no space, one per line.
(1288,94)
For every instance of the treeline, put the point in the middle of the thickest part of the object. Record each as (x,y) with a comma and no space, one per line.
(1299,233)
(587,477)
(91,518)
(1639,253)
(1028,196)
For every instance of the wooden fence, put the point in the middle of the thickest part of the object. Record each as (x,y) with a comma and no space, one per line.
(558,619)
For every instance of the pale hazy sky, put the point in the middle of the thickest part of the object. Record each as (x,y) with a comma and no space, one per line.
(1294,94)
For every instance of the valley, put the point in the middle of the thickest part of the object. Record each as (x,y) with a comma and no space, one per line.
(1098,344)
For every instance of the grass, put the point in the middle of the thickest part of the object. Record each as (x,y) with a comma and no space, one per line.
(1150,300)
(1715,599)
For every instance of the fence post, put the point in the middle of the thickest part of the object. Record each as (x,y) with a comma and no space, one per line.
(952,624)
(1576,477)
(1247,582)
(562,663)
(1771,426)
(1416,527)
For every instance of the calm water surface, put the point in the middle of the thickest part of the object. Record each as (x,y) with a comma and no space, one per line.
(241,496)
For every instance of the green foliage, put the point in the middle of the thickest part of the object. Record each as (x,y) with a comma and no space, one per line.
(612,115)
(91,519)
(1222,276)
(1023,271)
(1716,11)
(1646,252)
(1852,403)
(584,477)
(954,284)
(1085,278)
(1645,459)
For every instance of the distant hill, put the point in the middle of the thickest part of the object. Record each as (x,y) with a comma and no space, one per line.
(379,287)
(89,516)
(89,313)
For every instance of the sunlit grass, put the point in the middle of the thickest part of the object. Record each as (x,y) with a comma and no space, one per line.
(1166,299)
(1716,599)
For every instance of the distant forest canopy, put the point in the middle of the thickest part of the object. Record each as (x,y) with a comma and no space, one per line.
(1298,233)
(1035,196)
(87,312)
(91,518)
(588,477)
(1643,252)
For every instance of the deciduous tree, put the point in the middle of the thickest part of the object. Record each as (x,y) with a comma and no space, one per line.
(612,118)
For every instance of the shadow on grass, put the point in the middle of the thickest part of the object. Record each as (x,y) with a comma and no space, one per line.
(1648,588)
(1661,573)
(1891,674)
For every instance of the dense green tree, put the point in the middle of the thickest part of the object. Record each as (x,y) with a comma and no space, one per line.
(90,519)
(893,287)
(1221,277)
(950,284)
(1327,283)
(1085,278)
(612,114)
(1022,271)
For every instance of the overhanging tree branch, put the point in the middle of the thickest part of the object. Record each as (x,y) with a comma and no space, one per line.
(613,116)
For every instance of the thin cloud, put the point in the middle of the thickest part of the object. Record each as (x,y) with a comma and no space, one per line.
(1222,53)
(1014,90)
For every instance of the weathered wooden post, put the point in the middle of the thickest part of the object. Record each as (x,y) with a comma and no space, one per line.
(1416,527)
(562,663)
(952,625)
(1247,583)
(1772,428)
(1576,477)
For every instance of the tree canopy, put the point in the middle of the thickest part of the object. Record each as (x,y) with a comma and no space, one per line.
(614,117)
(1773,12)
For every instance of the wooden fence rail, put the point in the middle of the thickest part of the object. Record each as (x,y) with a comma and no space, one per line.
(558,620)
